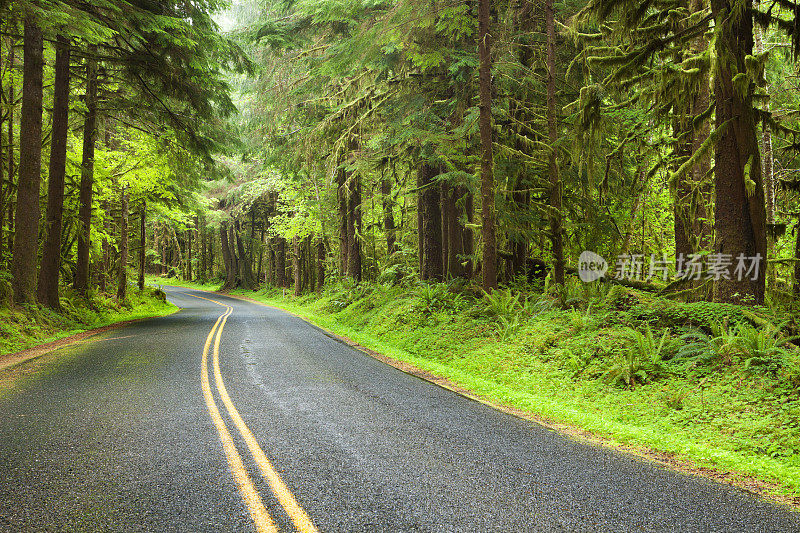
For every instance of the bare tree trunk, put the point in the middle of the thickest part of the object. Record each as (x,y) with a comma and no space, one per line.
(23,266)
(122,279)
(87,177)
(489,260)
(142,243)
(739,217)
(50,268)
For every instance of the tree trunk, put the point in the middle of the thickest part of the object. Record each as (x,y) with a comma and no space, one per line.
(296,265)
(122,279)
(468,238)
(456,234)
(142,243)
(740,219)
(489,257)
(230,268)
(280,263)
(444,209)
(556,229)
(420,225)
(51,252)
(244,268)
(23,266)
(105,262)
(354,227)
(388,216)
(432,267)
(87,177)
(9,191)
(2,148)
(189,243)
(344,235)
(320,264)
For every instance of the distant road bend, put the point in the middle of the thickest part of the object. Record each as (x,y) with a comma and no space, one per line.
(231,416)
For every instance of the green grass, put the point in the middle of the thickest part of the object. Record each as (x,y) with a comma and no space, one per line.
(536,356)
(158,281)
(30,326)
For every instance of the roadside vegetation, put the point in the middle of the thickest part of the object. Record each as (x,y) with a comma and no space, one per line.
(23,327)
(712,383)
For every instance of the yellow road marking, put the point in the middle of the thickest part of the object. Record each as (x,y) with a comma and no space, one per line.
(258,512)
(282,493)
(299,517)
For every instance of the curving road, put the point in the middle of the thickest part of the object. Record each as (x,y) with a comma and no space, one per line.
(294,431)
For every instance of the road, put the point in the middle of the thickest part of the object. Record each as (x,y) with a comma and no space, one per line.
(294,431)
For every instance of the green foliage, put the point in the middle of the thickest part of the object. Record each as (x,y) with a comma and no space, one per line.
(433,297)
(500,303)
(641,360)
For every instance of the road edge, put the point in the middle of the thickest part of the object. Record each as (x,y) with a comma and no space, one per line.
(12,360)
(756,486)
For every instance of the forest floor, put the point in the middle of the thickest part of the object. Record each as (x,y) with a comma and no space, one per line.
(22,328)
(616,367)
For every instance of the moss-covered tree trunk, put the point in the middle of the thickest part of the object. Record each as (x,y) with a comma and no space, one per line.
(740,219)
(354,227)
(488,215)
(320,264)
(122,272)
(388,216)
(344,235)
(8,191)
(143,243)
(87,177)
(50,268)
(23,265)
(280,262)
(227,259)
(432,267)
(556,224)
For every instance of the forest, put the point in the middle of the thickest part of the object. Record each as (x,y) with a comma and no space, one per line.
(623,172)
(349,140)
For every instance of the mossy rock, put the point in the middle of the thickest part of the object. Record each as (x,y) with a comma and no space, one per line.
(621,298)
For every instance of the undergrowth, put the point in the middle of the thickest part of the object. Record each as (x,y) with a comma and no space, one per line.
(714,383)
(26,326)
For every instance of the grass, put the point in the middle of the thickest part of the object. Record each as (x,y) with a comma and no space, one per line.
(537,354)
(26,327)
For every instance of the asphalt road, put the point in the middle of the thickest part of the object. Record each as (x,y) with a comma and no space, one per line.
(120,434)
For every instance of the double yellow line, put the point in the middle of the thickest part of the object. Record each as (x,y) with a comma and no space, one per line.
(261,517)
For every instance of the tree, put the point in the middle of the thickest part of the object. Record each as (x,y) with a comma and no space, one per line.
(489,259)
(23,267)
(50,268)
(87,176)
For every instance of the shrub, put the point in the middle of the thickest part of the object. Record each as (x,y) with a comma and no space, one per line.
(641,360)
(500,303)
